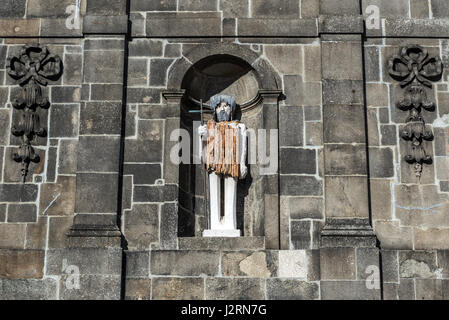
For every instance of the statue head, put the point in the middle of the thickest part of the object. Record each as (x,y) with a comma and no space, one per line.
(223,107)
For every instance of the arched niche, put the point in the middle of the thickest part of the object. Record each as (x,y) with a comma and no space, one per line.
(202,72)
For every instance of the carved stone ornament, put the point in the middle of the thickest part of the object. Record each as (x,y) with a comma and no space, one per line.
(415,69)
(31,69)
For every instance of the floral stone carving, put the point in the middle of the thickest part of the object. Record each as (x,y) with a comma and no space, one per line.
(415,70)
(31,69)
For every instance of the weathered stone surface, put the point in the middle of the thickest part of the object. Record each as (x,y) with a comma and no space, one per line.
(291,134)
(12,236)
(138,72)
(343,92)
(184,263)
(13,9)
(91,261)
(389,8)
(372,63)
(107,92)
(67,156)
(19,27)
(417,264)
(2,212)
(105,24)
(158,71)
(342,7)
(18,192)
(419,9)
(138,289)
(401,27)
(169,226)
(390,265)
(46,8)
(28,289)
(301,93)
(96,193)
(58,229)
(98,154)
(347,290)
(197,5)
(381,205)
(298,161)
(432,289)
(343,124)
(443,262)
(269,27)
(300,185)
(381,162)
(388,134)
(141,225)
(183,24)
(286,59)
(144,95)
(291,289)
(234,289)
(367,258)
(440,9)
(216,243)
(304,207)
(22,213)
(106,7)
(346,197)
(300,234)
(143,5)
(259,264)
(432,238)
(280,8)
(145,48)
(393,236)
(156,193)
(4,132)
(341,60)
(143,173)
(337,263)
(234,8)
(314,133)
(64,120)
(178,288)
(345,159)
(293,264)
(100,118)
(21,264)
(137,263)
(92,287)
(103,66)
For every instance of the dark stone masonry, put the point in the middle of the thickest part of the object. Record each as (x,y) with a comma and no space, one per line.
(93,94)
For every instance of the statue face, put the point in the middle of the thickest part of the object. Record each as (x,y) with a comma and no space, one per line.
(223,112)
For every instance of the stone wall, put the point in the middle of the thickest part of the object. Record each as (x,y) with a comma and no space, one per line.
(105,198)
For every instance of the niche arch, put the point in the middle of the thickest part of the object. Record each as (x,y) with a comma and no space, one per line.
(205,70)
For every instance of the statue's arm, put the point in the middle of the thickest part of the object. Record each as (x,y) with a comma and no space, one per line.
(243,147)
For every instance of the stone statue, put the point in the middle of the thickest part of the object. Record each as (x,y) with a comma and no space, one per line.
(224,142)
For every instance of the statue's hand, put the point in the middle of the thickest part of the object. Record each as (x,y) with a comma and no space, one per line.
(202,131)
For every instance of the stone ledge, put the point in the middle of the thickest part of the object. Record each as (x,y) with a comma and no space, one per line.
(340,24)
(435,28)
(224,243)
(348,233)
(250,27)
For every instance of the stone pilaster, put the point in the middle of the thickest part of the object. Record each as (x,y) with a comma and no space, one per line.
(100,129)
(348,243)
